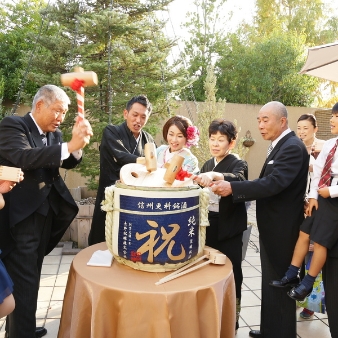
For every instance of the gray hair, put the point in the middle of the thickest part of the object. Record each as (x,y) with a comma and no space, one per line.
(49,94)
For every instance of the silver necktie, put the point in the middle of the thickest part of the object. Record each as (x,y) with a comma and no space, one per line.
(44,139)
(269,150)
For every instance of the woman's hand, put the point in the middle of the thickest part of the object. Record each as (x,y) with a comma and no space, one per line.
(206,179)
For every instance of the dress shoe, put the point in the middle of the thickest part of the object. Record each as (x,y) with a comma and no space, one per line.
(299,292)
(285,282)
(255,334)
(39,332)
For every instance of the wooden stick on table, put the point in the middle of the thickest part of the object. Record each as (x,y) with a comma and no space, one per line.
(215,258)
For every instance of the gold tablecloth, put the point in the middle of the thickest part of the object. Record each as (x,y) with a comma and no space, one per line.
(120,302)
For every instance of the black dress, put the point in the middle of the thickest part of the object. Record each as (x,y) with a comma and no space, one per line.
(226,226)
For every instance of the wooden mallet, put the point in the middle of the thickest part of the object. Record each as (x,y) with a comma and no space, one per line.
(173,167)
(213,256)
(150,159)
(77,81)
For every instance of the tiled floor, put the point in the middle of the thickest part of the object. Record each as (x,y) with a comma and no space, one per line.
(55,272)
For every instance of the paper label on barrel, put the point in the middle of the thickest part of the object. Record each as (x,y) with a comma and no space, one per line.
(158,230)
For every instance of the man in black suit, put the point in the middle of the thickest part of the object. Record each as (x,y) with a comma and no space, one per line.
(330,279)
(279,193)
(39,209)
(120,145)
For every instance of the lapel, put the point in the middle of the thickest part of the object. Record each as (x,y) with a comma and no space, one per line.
(224,165)
(33,131)
(275,151)
(54,138)
(129,140)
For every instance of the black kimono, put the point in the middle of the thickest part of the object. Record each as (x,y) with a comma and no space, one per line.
(118,147)
(226,226)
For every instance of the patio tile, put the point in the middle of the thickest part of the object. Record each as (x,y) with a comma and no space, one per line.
(313,329)
(249,299)
(52,260)
(243,332)
(45,294)
(253,283)
(61,280)
(251,315)
(49,269)
(66,259)
(250,271)
(56,252)
(258,293)
(64,268)
(42,309)
(54,310)
(47,280)
(253,260)
(52,326)
(245,263)
(58,293)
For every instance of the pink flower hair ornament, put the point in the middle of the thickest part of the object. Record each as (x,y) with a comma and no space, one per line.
(192,136)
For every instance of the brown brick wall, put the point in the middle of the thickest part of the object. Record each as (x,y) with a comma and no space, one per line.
(323,117)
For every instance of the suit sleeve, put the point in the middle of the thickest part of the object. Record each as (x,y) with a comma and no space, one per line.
(16,150)
(70,162)
(277,176)
(112,146)
(238,173)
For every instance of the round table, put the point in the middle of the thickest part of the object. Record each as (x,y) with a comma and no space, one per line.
(120,302)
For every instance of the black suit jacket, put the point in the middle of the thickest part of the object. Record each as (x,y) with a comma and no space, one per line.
(279,193)
(21,146)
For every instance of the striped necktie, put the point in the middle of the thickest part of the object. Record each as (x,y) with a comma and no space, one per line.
(325,178)
(269,150)
(44,139)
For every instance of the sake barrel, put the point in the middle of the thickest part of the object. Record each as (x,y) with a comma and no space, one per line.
(155,229)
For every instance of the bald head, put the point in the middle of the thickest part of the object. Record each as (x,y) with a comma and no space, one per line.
(272,120)
(276,108)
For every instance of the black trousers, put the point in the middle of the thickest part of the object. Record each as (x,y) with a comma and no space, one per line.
(231,247)
(330,278)
(278,310)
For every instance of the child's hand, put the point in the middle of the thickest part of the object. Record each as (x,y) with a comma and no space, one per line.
(6,186)
(312,203)
(324,192)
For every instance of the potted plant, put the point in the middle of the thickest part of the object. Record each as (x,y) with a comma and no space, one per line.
(248,140)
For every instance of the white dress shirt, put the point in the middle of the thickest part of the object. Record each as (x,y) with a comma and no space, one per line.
(64,147)
(318,168)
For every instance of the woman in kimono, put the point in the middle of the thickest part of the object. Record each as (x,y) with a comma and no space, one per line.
(180,135)
(227,220)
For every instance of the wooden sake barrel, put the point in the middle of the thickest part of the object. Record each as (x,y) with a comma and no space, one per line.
(155,229)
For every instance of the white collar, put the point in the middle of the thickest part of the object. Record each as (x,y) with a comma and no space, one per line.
(285,132)
(39,129)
